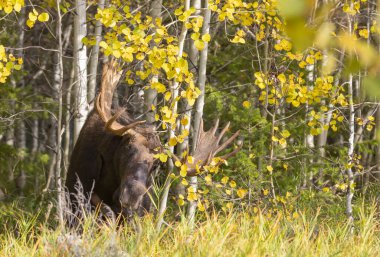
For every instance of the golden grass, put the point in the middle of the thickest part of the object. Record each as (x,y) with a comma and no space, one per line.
(233,234)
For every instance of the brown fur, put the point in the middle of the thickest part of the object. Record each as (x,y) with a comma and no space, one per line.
(116,167)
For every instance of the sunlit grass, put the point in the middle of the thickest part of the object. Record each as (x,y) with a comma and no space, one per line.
(223,234)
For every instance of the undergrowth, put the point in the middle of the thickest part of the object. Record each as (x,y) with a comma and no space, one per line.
(232,233)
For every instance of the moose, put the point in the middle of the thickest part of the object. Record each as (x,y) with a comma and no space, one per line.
(114,155)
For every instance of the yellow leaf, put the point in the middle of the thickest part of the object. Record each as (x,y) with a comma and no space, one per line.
(179,11)
(208,180)
(33,15)
(43,17)
(310,59)
(162,156)
(160,31)
(282,141)
(30,23)
(126,9)
(224,180)
(199,44)
(190,159)
(282,78)
(173,141)
(302,64)
(140,56)
(17,6)
(230,205)
(232,184)
(159,87)
(191,196)
(195,36)
(241,192)
(180,202)
(246,104)
(295,103)
(270,168)
(201,207)
(103,44)
(265,192)
(185,121)
(183,171)
(285,133)
(167,96)
(116,53)
(184,182)
(206,37)
(8,9)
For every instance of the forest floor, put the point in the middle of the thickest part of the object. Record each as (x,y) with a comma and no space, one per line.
(217,234)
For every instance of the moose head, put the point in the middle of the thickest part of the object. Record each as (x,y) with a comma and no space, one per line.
(114,154)
(133,159)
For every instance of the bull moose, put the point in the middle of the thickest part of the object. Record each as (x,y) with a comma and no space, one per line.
(114,154)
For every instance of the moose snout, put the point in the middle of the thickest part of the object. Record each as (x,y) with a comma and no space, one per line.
(131,195)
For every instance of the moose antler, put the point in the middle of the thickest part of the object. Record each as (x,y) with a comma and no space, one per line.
(207,147)
(110,78)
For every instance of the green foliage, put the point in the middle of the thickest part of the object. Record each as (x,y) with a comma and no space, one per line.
(17,160)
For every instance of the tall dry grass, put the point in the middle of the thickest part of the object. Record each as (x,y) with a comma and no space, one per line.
(223,234)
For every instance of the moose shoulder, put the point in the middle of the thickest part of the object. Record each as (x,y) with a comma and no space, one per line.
(113,156)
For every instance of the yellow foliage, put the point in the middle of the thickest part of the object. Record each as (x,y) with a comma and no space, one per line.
(241,192)
(246,104)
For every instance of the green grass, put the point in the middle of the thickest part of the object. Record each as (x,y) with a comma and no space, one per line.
(223,234)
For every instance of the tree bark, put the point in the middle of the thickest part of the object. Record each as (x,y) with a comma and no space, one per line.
(350,153)
(150,95)
(94,60)
(68,121)
(80,57)
(20,134)
(201,99)
(58,82)
(171,132)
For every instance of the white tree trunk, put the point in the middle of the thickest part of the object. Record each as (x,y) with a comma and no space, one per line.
(58,83)
(350,153)
(93,67)
(20,134)
(35,133)
(377,156)
(201,99)
(150,95)
(66,150)
(171,132)
(80,57)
